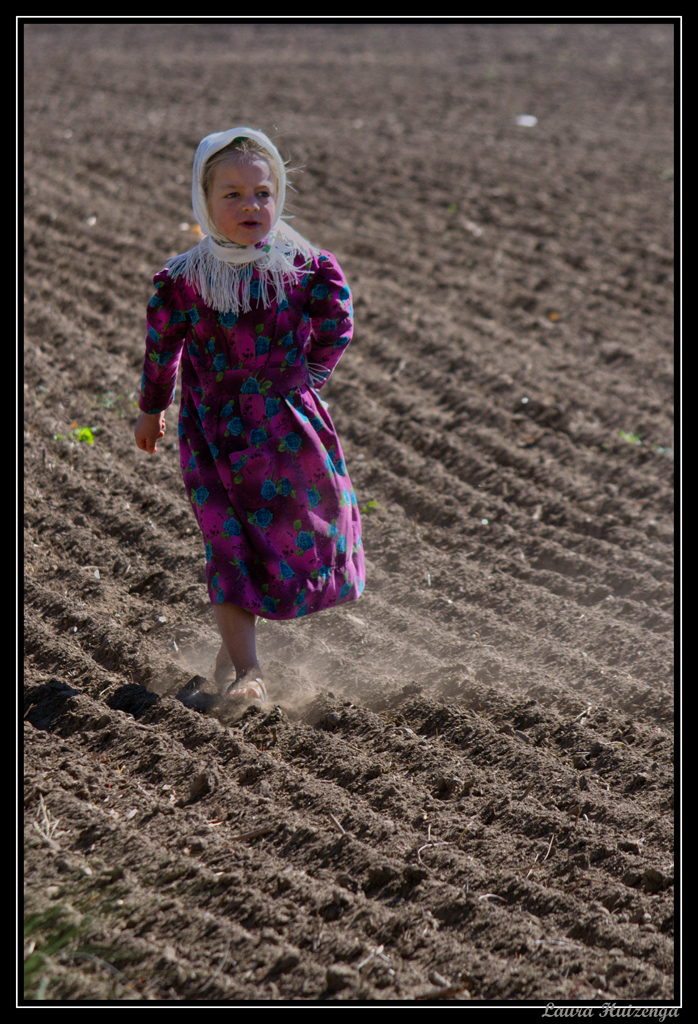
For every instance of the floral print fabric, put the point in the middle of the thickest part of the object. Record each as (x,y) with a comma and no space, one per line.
(261,460)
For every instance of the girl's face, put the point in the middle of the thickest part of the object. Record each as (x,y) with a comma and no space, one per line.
(242,200)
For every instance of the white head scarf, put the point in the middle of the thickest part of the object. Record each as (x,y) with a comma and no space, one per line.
(221,269)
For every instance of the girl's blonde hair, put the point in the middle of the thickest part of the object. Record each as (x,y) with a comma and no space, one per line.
(242,147)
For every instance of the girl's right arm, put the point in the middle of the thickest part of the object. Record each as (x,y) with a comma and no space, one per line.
(167,330)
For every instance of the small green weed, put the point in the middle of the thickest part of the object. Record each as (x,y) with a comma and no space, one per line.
(84,435)
(370,506)
(631,438)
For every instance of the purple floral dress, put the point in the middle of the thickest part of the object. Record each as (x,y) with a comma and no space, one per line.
(260,457)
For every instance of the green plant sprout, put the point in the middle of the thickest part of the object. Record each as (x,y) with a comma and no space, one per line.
(80,434)
(84,434)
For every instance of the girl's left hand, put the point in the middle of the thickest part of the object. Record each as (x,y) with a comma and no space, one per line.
(148,430)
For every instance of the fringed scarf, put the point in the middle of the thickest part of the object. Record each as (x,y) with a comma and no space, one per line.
(222,270)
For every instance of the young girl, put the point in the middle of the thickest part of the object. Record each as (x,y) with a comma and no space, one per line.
(257,318)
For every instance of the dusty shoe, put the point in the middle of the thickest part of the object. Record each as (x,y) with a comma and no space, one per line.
(248,689)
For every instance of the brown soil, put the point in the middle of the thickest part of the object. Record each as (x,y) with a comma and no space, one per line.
(465,788)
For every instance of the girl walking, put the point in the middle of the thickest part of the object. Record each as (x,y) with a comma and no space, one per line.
(256,319)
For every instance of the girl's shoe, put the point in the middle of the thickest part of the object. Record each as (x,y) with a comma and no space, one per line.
(248,689)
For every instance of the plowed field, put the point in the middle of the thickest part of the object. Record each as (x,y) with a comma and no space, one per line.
(462,788)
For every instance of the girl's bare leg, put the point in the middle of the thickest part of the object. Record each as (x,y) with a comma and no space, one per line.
(237,629)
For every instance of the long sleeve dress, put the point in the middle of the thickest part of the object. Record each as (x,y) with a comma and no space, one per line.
(261,460)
